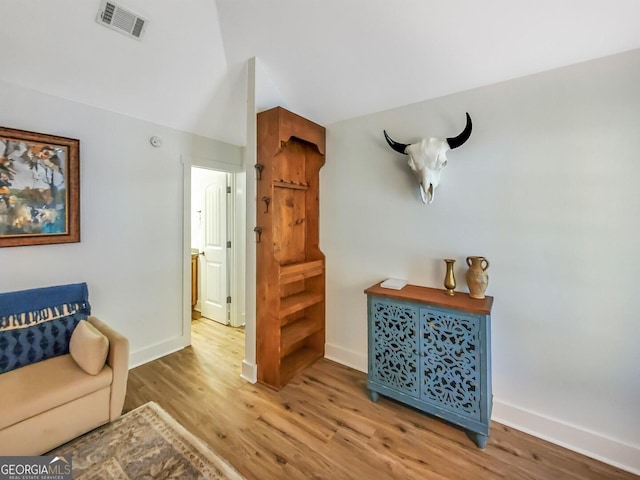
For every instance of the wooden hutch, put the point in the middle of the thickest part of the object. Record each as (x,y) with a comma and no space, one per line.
(290,267)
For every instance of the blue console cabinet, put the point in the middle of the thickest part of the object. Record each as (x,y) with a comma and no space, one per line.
(432,351)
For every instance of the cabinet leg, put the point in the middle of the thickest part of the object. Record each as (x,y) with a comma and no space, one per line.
(373,395)
(479,439)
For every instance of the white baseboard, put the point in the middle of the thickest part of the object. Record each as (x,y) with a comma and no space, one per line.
(349,358)
(153,352)
(578,439)
(573,437)
(249,372)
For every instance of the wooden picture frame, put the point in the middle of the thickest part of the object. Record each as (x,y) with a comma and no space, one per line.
(39,188)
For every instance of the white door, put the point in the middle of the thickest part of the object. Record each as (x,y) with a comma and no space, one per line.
(215,288)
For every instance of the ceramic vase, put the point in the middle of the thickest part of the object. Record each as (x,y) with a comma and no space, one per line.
(477,277)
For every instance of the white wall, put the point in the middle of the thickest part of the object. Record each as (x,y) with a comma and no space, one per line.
(131,196)
(547,189)
(249,159)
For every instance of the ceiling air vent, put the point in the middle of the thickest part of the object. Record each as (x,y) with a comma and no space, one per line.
(121,20)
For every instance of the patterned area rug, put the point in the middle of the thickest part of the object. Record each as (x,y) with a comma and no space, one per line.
(145,443)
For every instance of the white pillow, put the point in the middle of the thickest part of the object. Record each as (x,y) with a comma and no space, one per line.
(88,347)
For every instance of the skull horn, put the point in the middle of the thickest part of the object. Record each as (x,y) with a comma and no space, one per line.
(455,142)
(398,147)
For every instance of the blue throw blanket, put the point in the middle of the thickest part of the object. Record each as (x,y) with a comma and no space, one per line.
(37,324)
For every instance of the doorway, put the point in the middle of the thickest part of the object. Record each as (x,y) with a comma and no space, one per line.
(228,294)
(211,225)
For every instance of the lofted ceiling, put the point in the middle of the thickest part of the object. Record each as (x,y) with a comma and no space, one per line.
(329,60)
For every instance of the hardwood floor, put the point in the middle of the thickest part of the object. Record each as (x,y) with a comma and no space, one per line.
(323,425)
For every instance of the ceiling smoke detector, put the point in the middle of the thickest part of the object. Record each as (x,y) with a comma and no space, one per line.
(121,20)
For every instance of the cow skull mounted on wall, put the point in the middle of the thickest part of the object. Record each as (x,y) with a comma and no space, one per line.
(428,157)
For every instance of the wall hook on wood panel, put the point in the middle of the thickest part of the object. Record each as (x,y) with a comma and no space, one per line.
(259,167)
(266,201)
(258,231)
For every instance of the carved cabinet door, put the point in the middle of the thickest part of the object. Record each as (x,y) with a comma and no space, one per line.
(450,364)
(393,358)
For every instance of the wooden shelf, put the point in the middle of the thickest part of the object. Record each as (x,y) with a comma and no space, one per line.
(298,330)
(294,185)
(299,271)
(296,362)
(295,303)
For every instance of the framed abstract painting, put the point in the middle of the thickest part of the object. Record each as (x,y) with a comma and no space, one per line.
(39,188)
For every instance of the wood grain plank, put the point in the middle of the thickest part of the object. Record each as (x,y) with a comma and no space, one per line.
(435,296)
(297,302)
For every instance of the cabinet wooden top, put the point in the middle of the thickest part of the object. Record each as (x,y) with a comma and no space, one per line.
(436,297)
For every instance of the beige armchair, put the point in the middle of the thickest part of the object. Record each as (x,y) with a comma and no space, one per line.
(50,402)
